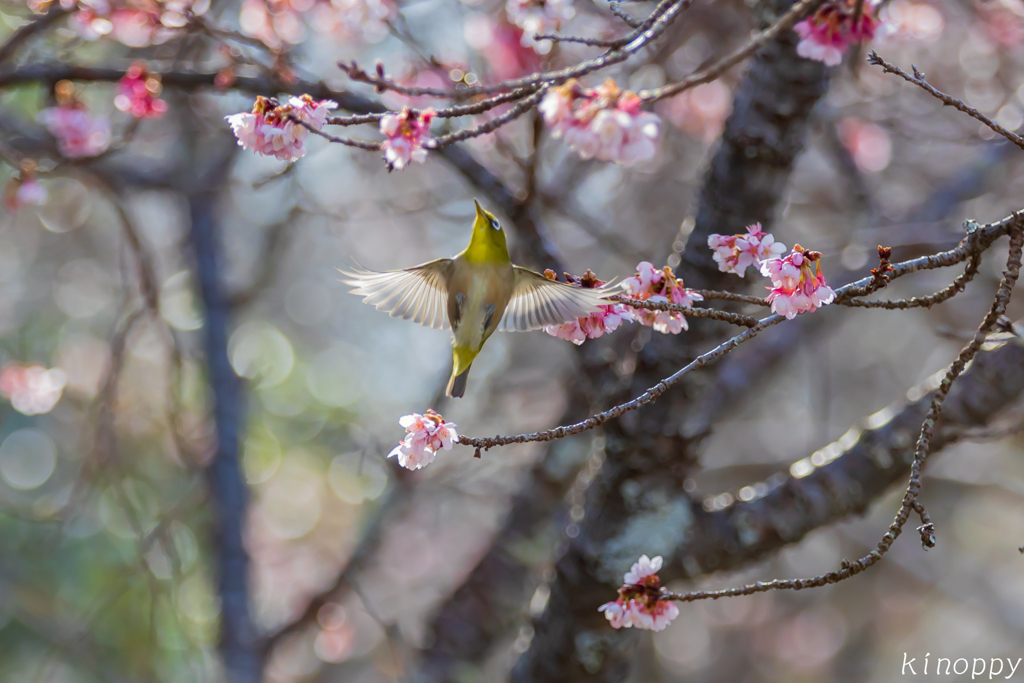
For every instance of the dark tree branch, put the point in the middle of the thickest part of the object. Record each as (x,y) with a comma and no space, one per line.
(852,476)
(229,493)
(637,504)
(23,34)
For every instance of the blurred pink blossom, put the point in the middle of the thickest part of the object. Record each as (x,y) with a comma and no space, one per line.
(269,130)
(139,93)
(659,286)
(24,189)
(825,35)
(537,17)
(426,435)
(78,132)
(640,602)
(736,253)
(603,123)
(408,135)
(277,22)
(504,50)
(797,288)
(701,112)
(32,389)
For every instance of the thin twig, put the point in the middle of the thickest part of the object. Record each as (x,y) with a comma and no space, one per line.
(918,80)
(786,21)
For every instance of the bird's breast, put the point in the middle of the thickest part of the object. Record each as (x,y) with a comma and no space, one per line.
(482,286)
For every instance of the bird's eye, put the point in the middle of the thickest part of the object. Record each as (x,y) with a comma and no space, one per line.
(495,224)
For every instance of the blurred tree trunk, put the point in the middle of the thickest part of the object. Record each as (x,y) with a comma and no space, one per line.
(227,488)
(637,503)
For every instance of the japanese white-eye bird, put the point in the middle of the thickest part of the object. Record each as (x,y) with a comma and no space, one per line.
(477,292)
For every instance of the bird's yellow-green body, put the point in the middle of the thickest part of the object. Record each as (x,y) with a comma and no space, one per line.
(479,289)
(477,292)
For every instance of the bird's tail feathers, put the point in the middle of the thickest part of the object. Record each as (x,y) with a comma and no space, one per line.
(462,360)
(457,384)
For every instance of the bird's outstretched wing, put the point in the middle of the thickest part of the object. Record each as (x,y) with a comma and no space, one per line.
(538,302)
(418,294)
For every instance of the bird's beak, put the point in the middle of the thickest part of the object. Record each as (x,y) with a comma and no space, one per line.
(480,212)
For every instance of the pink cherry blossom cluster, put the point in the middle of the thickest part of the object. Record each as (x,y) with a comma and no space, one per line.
(659,286)
(602,123)
(24,189)
(32,389)
(639,604)
(796,286)
(736,253)
(537,17)
(426,435)
(139,93)
(826,34)
(79,133)
(269,129)
(408,136)
(607,320)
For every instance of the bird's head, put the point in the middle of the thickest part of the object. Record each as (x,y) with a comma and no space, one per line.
(488,235)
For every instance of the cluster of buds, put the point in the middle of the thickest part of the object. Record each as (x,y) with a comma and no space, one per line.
(736,253)
(660,286)
(78,132)
(139,93)
(826,34)
(594,325)
(426,435)
(604,123)
(272,129)
(640,603)
(32,389)
(408,137)
(797,283)
(24,189)
(539,17)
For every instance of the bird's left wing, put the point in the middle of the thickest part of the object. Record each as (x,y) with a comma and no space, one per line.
(538,302)
(418,294)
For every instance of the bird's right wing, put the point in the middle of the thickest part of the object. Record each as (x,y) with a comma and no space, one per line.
(538,302)
(418,294)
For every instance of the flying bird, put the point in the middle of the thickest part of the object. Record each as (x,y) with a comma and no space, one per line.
(476,292)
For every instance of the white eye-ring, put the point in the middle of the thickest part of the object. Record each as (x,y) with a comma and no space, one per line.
(495,224)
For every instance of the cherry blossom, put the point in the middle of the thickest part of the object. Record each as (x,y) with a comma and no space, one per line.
(269,129)
(538,17)
(426,435)
(825,35)
(24,189)
(736,253)
(602,123)
(640,602)
(78,132)
(607,320)
(139,93)
(408,136)
(32,389)
(659,286)
(796,287)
